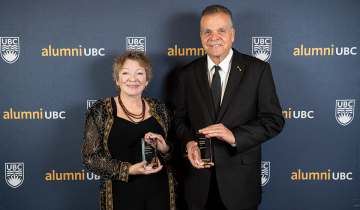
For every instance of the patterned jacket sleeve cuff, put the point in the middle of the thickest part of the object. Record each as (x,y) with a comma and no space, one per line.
(168,155)
(124,171)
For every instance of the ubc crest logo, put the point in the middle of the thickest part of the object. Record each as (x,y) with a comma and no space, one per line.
(10,49)
(344,111)
(136,43)
(265,172)
(14,174)
(261,47)
(90,102)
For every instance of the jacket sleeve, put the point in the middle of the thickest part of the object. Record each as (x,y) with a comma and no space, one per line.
(93,155)
(269,121)
(184,132)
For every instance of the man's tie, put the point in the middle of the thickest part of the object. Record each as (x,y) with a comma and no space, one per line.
(216,90)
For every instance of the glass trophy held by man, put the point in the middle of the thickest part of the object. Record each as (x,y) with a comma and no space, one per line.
(204,152)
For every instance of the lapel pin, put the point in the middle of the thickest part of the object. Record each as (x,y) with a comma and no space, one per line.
(239,68)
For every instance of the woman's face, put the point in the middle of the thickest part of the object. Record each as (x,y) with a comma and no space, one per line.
(132,78)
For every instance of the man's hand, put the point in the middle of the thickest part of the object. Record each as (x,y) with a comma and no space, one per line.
(194,155)
(219,131)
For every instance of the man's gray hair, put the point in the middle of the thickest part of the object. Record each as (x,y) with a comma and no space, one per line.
(217,9)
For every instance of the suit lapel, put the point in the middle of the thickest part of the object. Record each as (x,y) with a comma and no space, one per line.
(232,83)
(203,84)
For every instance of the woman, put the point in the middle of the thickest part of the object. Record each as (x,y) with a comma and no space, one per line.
(112,141)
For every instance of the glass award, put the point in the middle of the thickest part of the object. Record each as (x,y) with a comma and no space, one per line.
(205,148)
(150,153)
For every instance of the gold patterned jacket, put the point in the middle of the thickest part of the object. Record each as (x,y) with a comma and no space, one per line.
(97,158)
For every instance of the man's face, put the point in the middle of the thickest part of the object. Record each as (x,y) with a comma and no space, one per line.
(217,36)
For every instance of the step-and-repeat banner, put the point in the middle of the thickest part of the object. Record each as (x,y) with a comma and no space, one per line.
(56,59)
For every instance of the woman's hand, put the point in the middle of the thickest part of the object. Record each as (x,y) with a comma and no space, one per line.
(139,169)
(161,144)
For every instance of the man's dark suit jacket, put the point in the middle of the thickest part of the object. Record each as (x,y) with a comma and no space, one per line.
(250,109)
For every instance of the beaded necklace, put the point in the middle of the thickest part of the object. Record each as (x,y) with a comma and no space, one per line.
(131,115)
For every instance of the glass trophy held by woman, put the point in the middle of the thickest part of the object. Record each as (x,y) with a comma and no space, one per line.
(150,153)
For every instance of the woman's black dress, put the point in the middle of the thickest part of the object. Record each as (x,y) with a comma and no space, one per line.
(125,145)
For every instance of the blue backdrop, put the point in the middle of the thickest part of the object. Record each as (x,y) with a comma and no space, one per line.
(314,163)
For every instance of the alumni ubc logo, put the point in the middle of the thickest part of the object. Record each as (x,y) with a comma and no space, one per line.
(265,172)
(136,43)
(261,47)
(10,49)
(344,111)
(14,174)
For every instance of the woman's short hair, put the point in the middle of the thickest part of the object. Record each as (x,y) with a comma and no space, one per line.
(139,56)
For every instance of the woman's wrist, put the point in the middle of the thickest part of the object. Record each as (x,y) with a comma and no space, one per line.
(130,170)
(166,150)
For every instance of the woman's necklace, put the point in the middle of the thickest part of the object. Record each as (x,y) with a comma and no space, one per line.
(131,115)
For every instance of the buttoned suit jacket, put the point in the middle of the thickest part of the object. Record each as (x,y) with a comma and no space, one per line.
(250,109)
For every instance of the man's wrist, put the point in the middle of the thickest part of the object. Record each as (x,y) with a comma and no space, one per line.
(233,144)
(185,149)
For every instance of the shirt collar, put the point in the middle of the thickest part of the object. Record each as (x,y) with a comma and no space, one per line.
(224,65)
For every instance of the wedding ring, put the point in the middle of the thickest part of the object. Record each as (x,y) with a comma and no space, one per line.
(218,129)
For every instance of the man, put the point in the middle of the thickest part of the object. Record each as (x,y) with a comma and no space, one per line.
(231,98)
